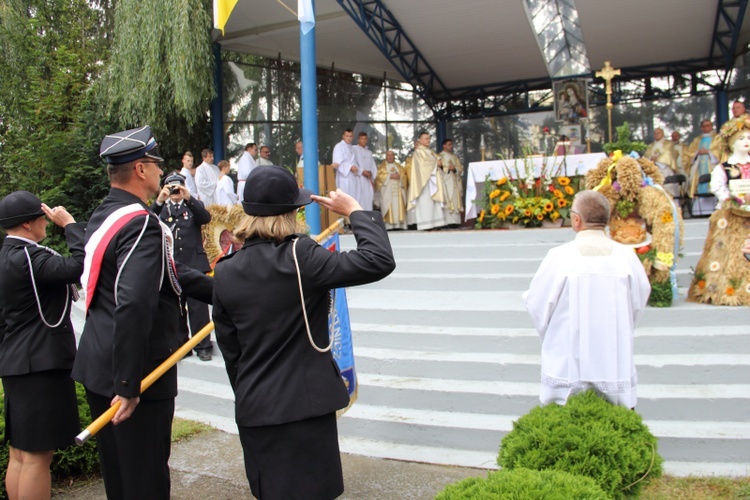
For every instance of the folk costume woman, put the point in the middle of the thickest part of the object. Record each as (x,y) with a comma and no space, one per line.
(722,276)
(271,302)
(38,346)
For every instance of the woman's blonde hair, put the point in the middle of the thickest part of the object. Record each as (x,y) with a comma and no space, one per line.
(272,227)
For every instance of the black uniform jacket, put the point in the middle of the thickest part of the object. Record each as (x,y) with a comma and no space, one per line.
(28,345)
(124,342)
(276,374)
(186,226)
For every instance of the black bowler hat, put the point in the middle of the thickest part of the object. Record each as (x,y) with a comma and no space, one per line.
(19,207)
(130,145)
(272,190)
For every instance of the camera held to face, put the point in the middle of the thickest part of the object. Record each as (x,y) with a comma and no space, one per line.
(174,188)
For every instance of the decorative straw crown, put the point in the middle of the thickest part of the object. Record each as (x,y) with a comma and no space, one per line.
(733,126)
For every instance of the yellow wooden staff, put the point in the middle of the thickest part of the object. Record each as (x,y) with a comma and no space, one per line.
(172,360)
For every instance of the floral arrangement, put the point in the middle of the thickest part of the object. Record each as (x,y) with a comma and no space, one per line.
(623,143)
(640,206)
(525,200)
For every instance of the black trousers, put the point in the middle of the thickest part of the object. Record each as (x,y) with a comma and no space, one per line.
(135,454)
(197,313)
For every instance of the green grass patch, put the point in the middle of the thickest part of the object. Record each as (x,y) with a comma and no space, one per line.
(697,488)
(183,430)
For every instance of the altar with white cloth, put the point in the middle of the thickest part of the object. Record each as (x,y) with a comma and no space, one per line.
(497,169)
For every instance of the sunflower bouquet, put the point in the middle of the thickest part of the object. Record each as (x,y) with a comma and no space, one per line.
(509,201)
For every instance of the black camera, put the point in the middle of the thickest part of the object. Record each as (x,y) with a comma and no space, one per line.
(174,188)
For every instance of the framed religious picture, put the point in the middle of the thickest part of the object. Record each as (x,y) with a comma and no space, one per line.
(571,100)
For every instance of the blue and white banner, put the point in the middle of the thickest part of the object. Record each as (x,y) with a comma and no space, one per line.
(340,331)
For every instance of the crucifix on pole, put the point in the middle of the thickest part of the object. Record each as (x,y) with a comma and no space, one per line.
(608,73)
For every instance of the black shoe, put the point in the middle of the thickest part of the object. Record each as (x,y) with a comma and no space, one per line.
(204,355)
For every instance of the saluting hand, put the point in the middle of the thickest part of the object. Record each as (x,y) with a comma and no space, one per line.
(58,215)
(339,202)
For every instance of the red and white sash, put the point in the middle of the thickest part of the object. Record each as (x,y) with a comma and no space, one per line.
(100,240)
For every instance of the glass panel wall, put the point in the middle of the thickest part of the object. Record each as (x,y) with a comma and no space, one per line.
(262,105)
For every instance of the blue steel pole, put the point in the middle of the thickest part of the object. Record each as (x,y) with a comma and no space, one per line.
(309,85)
(217,108)
(722,108)
(442,134)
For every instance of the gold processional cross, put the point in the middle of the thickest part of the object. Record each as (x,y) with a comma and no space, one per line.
(608,73)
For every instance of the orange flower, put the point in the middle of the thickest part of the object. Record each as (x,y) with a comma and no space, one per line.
(504,196)
(548,207)
(527,212)
(730,291)
(481,216)
(558,193)
(495,209)
(569,190)
(509,210)
(666,218)
(563,181)
(702,284)
(561,203)
(502,181)
(539,217)
(495,194)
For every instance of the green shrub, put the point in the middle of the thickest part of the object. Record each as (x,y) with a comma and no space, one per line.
(524,484)
(589,437)
(73,461)
(78,460)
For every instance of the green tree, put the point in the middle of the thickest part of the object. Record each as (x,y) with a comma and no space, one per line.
(50,52)
(162,71)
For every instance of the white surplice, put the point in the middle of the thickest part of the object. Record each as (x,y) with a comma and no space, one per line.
(189,182)
(585,300)
(244,167)
(346,180)
(206,180)
(365,162)
(225,194)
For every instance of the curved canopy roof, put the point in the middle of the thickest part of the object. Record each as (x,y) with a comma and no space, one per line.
(455,49)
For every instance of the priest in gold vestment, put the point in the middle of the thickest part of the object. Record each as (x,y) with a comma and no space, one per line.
(391,182)
(662,152)
(426,187)
(453,171)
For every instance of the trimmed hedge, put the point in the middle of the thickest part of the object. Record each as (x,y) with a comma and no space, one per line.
(589,437)
(72,462)
(524,484)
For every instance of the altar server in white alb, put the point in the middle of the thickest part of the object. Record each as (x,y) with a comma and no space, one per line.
(345,164)
(585,300)
(245,166)
(368,169)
